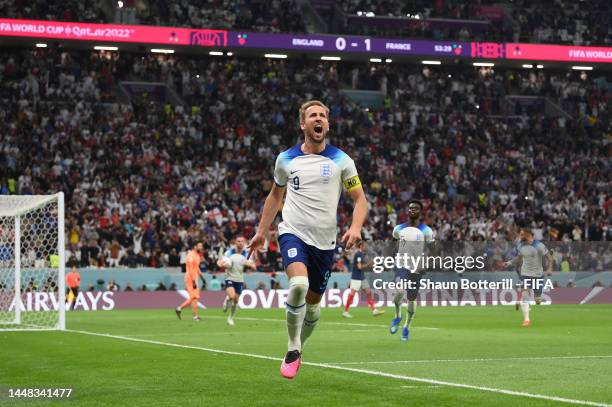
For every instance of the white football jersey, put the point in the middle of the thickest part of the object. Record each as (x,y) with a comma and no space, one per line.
(532,255)
(314,183)
(236,271)
(412,240)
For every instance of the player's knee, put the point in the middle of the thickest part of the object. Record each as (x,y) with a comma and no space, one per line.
(299,283)
(298,287)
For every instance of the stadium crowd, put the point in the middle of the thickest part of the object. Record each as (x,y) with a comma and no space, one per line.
(550,21)
(254,15)
(145,180)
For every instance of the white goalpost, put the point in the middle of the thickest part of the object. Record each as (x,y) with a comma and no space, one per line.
(32,261)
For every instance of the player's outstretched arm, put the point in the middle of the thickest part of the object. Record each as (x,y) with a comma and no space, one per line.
(360,212)
(270,209)
(550,262)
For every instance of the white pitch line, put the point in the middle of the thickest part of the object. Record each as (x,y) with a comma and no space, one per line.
(354,370)
(229,330)
(472,360)
(323,322)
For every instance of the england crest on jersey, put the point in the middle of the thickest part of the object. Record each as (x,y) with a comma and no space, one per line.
(326,170)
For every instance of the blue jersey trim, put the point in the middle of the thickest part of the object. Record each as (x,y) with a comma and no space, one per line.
(232,251)
(422,227)
(288,155)
(334,154)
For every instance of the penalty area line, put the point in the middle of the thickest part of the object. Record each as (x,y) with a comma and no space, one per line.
(350,369)
(390,362)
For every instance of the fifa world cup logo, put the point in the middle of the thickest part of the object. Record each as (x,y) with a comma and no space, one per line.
(208,38)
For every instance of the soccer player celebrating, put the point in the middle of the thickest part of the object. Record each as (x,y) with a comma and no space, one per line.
(312,173)
(531,252)
(235,261)
(191,280)
(359,282)
(411,235)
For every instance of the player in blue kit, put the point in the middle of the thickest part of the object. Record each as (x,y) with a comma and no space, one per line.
(412,236)
(360,282)
(313,174)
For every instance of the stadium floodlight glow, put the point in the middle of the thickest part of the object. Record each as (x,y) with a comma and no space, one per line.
(388,60)
(528,66)
(105,48)
(582,68)
(162,51)
(431,62)
(539,66)
(120,4)
(324,58)
(41,45)
(375,60)
(483,64)
(216,53)
(277,56)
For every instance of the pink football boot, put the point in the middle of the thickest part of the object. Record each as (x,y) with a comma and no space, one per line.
(291,364)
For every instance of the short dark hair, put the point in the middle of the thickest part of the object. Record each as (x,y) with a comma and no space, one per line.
(415,201)
(306,105)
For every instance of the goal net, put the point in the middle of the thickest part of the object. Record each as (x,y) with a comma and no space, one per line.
(32,288)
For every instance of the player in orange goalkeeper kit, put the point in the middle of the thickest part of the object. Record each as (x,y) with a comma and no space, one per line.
(191,280)
(73,280)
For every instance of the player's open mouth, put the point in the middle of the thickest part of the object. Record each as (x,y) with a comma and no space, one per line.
(318,129)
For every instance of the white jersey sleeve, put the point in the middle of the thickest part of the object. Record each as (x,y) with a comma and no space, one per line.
(428,233)
(396,231)
(281,174)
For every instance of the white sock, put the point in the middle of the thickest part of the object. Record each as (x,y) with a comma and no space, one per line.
(233,309)
(296,310)
(397,300)
(525,306)
(313,313)
(411,308)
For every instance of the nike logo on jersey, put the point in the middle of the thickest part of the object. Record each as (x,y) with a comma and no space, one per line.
(293,172)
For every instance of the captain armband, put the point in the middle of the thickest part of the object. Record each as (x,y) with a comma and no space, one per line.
(351,183)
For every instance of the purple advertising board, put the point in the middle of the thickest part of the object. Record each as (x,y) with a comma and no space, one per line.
(273,42)
(333,298)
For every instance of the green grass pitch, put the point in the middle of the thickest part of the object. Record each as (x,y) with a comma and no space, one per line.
(566,353)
